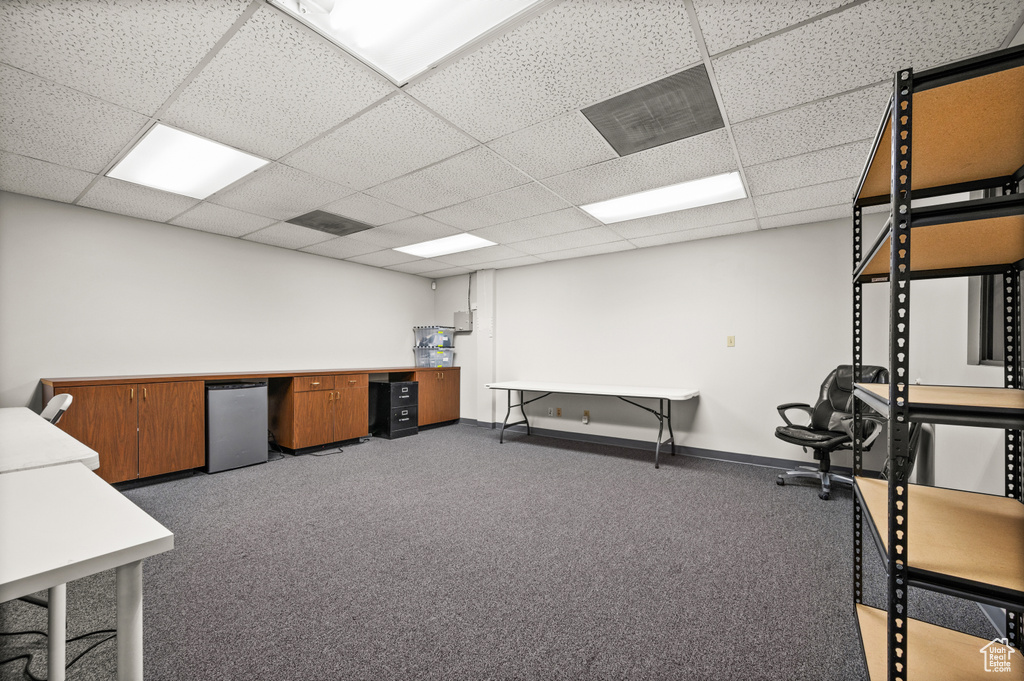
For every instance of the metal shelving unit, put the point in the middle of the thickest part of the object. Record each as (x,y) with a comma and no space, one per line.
(952,129)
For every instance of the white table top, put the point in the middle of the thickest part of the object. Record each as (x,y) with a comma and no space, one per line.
(29,441)
(593,389)
(62,523)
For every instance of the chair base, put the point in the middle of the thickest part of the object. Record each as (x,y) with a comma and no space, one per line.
(826,478)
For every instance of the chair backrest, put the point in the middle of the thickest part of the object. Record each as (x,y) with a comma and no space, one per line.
(56,407)
(835,399)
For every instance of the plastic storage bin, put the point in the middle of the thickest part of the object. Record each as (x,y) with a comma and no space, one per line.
(434,336)
(435,358)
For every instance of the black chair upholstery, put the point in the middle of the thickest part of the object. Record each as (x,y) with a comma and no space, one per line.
(831,424)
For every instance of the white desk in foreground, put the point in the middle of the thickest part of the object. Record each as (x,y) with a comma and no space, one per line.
(61,523)
(29,441)
(665,397)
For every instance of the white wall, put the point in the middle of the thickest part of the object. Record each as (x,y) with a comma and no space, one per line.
(660,317)
(89,293)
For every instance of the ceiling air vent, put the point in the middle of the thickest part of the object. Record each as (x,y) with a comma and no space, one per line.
(330,223)
(673,108)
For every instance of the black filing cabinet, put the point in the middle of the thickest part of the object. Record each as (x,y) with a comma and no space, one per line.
(394,409)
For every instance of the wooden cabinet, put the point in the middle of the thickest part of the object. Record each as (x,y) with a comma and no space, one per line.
(138,429)
(309,411)
(438,395)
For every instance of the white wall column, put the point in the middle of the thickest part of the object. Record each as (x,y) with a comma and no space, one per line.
(484,318)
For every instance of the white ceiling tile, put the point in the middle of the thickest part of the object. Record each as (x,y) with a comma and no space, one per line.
(555,146)
(805,216)
(584,251)
(578,53)
(687,159)
(133,53)
(480,256)
(828,123)
(815,196)
(384,258)
(209,217)
(125,198)
(446,272)
(273,86)
(23,175)
(519,202)
(858,46)
(693,218)
(418,266)
(368,209)
(469,175)
(287,235)
(341,248)
(280,192)
(548,224)
(405,232)
(53,123)
(695,234)
(560,242)
(513,262)
(728,23)
(392,139)
(812,168)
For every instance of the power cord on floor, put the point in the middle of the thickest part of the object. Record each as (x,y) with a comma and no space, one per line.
(274,447)
(29,657)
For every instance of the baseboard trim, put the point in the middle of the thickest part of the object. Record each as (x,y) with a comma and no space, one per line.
(697,452)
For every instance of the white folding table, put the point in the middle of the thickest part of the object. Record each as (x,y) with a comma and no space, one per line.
(60,522)
(665,397)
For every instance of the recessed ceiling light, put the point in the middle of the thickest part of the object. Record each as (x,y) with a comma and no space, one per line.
(182,163)
(445,246)
(403,38)
(702,192)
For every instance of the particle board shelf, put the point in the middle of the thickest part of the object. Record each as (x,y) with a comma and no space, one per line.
(984,236)
(933,653)
(964,543)
(965,131)
(952,404)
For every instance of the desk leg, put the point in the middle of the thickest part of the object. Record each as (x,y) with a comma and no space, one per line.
(671,435)
(57,610)
(508,412)
(129,622)
(661,429)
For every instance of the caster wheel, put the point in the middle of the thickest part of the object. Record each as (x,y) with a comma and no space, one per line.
(780,481)
(823,495)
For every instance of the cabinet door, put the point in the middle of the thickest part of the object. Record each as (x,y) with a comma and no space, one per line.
(430,397)
(314,419)
(172,427)
(448,396)
(352,412)
(103,417)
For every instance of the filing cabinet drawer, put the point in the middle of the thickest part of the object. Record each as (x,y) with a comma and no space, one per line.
(404,394)
(303,384)
(403,418)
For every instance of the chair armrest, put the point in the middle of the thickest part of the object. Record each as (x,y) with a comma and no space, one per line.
(783,408)
(872,425)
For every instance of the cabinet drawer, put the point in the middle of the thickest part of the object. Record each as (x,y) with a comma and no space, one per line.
(303,384)
(404,417)
(343,381)
(404,394)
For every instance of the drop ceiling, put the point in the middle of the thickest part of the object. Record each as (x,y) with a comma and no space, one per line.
(491,142)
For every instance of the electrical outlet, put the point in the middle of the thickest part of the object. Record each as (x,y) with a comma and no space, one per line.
(551,411)
(730,341)
(586,416)
(559,412)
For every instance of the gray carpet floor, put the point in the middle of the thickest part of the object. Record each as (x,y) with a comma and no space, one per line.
(447,556)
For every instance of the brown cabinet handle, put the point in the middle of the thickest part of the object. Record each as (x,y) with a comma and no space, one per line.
(145,393)
(330,396)
(351,381)
(132,395)
(316,383)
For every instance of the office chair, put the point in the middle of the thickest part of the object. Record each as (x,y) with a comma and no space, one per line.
(831,425)
(56,407)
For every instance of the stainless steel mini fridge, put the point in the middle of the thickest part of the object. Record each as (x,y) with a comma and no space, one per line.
(236,425)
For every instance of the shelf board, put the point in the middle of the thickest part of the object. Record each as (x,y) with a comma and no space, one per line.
(933,653)
(968,237)
(964,131)
(952,404)
(963,543)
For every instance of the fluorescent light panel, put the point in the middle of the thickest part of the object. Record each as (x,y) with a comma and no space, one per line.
(182,163)
(445,246)
(403,38)
(702,192)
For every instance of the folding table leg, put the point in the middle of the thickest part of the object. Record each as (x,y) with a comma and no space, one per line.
(57,611)
(129,622)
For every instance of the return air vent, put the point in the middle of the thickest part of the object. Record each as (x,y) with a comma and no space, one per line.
(329,222)
(673,108)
